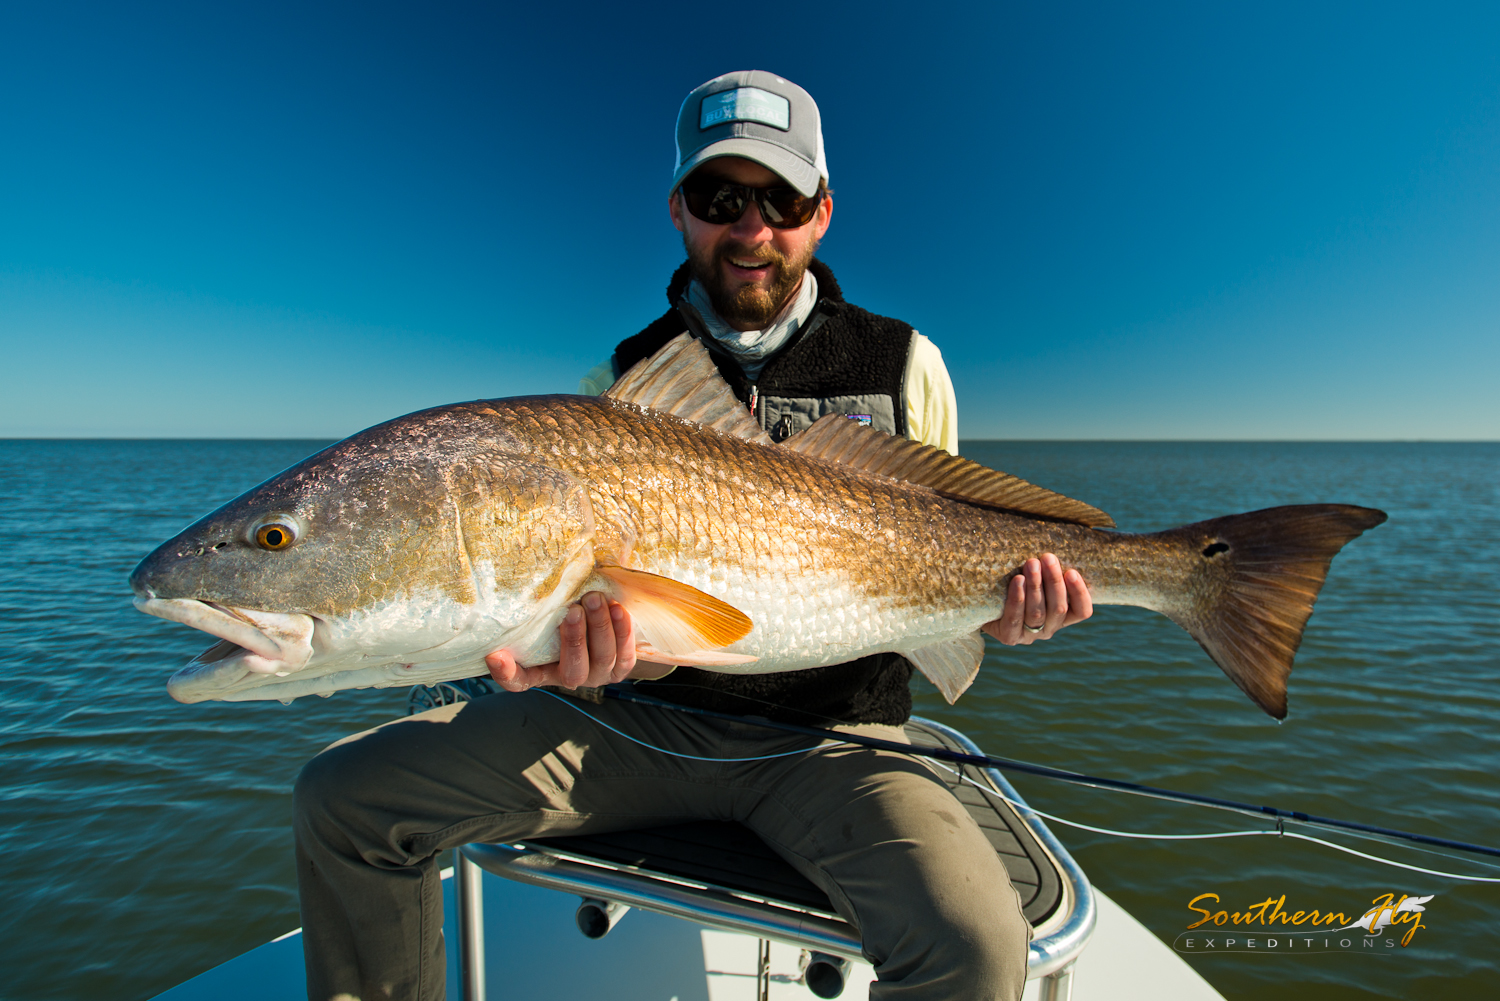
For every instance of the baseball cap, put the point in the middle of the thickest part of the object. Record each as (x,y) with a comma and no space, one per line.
(756,115)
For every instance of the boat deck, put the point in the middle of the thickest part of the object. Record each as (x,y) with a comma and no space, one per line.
(535,952)
(533,948)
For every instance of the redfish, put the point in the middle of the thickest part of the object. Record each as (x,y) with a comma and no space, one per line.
(406,553)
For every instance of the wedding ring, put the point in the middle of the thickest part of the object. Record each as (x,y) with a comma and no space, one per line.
(1033,630)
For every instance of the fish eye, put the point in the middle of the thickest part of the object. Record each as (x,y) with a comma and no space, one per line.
(275,535)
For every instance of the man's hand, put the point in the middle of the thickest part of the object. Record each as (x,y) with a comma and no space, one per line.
(598,648)
(1041,595)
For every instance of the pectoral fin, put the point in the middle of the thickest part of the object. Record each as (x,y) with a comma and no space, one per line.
(676,620)
(950,665)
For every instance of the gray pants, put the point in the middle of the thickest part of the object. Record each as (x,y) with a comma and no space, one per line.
(899,857)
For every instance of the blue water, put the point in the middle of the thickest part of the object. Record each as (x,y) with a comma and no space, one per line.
(145,841)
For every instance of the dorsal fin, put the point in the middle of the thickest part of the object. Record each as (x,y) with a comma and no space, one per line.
(682,380)
(838,439)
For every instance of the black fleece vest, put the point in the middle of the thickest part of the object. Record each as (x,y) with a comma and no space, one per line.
(842,360)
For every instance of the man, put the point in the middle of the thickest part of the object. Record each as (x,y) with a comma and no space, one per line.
(876,830)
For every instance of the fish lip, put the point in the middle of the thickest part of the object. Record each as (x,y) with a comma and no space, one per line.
(203,681)
(252,644)
(213,619)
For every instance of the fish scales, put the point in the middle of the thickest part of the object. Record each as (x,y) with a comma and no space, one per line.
(870,559)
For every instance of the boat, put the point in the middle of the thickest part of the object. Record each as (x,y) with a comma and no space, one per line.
(706,912)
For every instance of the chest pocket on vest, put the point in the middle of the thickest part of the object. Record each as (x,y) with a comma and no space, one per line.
(784,416)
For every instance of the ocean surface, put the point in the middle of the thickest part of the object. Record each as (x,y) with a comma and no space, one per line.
(145,841)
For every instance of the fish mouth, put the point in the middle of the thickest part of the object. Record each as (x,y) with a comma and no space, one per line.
(255,647)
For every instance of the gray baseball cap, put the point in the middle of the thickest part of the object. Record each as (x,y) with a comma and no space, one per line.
(758,116)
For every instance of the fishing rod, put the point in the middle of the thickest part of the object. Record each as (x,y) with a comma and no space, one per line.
(622,694)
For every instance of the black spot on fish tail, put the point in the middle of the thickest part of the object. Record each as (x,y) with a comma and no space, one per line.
(1254,591)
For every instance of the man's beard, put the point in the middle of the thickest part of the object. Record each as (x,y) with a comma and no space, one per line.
(750,305)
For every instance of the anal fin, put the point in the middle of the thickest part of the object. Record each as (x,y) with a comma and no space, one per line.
(950,665)
(676,620)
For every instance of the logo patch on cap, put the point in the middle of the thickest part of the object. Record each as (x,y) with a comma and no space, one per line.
(745,104)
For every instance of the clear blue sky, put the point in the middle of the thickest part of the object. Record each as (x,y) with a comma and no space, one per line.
(1179,221)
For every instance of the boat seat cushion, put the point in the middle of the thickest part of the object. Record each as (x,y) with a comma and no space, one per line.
(730,856)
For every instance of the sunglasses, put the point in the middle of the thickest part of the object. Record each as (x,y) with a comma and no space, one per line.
(722,202)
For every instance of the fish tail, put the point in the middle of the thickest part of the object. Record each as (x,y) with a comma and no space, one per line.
(1252,588)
